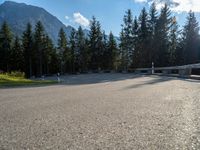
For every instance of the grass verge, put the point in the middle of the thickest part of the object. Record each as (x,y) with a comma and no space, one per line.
(7,80)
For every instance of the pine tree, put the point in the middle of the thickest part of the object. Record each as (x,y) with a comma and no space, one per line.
(143,39)
(72,45)
(16,56)
(191,40)
(5,47)
(95,40)
(62,50)
(173,42)
(153,18)
(105,52)
(127,40)
(86,55)
(82,54)
(52,58)
(162,35)
(100,47)
(92,41)
(29,56)
(136,52)
(39,38)
(112,57)
(123,52)
(48,50)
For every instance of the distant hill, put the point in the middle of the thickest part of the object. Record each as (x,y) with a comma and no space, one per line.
(17,15)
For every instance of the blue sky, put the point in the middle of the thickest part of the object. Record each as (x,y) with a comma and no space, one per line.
(109,12)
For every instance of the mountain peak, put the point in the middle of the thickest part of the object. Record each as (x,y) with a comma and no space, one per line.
(11,3)
(17,15)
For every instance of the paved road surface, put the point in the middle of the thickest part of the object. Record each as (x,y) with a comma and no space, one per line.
(102,111)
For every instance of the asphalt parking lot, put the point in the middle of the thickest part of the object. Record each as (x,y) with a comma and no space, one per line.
(102,111)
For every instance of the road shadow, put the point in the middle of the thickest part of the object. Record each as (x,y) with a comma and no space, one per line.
(81,79)
(156,79)
(97,78)
(84,79)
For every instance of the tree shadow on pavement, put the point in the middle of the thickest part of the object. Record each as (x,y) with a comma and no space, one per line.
(97,78)
(154,80)
(84,79)
(160,79)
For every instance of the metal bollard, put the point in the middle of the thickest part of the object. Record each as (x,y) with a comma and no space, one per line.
(58,77)
(43,78)
(152,68)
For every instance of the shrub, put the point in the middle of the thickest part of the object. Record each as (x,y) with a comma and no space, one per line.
(16,74)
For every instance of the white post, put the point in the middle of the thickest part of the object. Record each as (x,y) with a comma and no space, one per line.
(58,77)
(152,71)
(43,77)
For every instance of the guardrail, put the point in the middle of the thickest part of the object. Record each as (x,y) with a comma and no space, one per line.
(185,70)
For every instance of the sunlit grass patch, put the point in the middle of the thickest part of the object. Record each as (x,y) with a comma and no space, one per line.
(11,80)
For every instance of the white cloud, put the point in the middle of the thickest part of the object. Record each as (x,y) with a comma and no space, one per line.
(176,5)
(80,19)
(140,1)
(67,17)
(187,5)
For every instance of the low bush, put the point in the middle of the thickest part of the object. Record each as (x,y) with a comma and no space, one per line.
(18,79)
(17,74)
